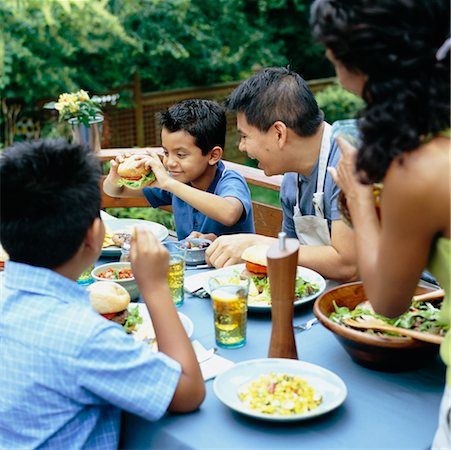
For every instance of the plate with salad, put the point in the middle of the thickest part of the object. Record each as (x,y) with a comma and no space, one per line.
(309,285)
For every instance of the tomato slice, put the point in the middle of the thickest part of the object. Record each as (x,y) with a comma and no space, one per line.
(256,268)
(132,178)
(109,316)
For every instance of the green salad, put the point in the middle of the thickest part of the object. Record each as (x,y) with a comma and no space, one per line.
(424,317)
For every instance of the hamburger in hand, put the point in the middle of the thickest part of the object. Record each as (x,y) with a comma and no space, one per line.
(111,300)
(133,175)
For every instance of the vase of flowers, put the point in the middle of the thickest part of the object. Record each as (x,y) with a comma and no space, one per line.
(83,115)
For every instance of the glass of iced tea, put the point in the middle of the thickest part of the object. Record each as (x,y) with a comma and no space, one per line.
(176,272)
(230,311)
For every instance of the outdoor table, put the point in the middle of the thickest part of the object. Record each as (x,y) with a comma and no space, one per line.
(382,410)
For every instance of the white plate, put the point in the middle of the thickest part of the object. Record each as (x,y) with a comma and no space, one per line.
(329,385)
(126,225)
(146,331)
(307,274)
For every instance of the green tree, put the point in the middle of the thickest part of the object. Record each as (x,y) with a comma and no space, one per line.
(195,42)
(54,46)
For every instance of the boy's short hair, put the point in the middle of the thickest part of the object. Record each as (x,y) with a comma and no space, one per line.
(49,197)
(274,94)
(205,120)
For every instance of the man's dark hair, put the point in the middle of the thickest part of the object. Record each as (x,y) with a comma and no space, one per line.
(48,199)
(205,120)
(274,94)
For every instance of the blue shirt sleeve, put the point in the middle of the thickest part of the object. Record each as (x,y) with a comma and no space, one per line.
(157,197)
(288,191)
(232,184)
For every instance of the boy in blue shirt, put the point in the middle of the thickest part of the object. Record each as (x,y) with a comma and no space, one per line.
(66,371)
(204,195)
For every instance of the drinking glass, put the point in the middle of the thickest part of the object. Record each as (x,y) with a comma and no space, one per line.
(230,311)
(176,272)
(86,277)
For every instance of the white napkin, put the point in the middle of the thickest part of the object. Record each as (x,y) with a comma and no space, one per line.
(105,216)
(210,364)
(196,282)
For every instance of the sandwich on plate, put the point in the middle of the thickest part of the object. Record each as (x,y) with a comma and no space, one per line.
(256,269)
(111,300)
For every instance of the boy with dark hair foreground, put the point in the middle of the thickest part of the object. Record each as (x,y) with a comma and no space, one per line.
(66,371)
(205,196)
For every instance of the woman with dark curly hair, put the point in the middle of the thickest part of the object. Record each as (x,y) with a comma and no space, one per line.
(396,56)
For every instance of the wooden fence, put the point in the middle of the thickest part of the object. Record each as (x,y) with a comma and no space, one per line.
(139,126)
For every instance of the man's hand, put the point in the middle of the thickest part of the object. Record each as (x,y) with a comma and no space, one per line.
(227,250)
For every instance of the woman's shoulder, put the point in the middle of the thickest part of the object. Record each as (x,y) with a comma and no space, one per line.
(420,180)
(427,165)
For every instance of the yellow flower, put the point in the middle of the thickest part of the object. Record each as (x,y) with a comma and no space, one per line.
(78,106)
(82,96)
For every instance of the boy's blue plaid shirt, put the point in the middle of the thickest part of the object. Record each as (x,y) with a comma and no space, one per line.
(65,371)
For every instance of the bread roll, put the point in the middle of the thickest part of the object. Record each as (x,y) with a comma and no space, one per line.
(108,297)
(128,168)
(256,254)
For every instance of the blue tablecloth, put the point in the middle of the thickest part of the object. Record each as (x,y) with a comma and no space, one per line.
(382,410)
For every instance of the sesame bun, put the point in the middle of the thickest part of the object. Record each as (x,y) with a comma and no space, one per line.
(256,254)
(108,297)
(129,168)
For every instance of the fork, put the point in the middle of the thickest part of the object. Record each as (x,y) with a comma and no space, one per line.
(306,325)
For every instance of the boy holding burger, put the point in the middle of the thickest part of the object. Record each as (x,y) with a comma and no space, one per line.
(204,195)
(67,372)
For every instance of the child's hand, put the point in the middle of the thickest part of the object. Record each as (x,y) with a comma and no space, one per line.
(149,259)
(113,176)
(152,161)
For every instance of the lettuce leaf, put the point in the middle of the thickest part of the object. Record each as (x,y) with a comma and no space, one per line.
(136,184)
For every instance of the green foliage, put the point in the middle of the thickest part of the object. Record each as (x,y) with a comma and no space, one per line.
(195,42)
(338,103)
(287,23)
(54,46)
(46,40)
(264,195)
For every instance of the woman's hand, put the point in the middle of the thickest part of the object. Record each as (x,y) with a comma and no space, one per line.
(346,176)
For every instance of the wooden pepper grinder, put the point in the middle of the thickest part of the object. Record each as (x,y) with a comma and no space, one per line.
(282,266)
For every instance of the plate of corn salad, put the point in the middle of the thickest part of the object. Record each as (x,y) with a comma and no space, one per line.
(280,389)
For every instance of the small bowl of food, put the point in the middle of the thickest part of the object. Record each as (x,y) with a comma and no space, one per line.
(373,348)
(195,250)
(119,272)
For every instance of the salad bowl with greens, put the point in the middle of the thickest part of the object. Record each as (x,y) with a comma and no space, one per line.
(372,348)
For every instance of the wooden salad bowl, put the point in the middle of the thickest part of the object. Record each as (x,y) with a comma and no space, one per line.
(389,354)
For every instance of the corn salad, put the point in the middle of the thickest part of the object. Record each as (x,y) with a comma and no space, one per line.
(279,394)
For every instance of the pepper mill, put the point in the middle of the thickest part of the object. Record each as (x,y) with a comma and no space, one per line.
(282,266)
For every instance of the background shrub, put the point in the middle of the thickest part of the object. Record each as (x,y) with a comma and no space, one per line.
(338,103)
